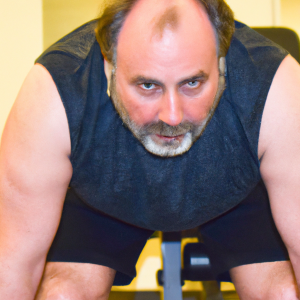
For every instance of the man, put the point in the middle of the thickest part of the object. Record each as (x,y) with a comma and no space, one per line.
(190,157)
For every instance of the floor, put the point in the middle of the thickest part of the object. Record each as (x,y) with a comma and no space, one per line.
(156,296)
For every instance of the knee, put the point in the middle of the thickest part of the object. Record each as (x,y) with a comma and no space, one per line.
(69,291)
(60,295)
(57,291)
(75,281)
(284,291)
(277,292)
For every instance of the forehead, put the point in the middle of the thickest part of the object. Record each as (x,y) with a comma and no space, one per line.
(159,34)
(169,18)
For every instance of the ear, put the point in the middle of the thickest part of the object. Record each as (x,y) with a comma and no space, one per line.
(108,67)
(222,66)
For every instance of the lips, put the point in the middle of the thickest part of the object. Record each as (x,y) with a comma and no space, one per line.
(167,140)
(170,138)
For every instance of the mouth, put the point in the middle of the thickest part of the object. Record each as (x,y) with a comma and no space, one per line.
(168,139)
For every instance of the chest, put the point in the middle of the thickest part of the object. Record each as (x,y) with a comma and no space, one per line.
(115,174)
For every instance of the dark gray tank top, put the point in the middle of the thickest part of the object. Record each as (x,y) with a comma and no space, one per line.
(113,172)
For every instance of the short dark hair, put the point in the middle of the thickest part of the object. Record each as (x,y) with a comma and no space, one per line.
(114,15)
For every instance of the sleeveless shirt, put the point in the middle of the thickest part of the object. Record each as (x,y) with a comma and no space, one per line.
(112,171)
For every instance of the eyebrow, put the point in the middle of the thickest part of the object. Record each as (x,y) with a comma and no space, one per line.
(141,79)
(201,75)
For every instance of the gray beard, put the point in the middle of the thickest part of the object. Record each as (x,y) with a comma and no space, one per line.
(190,131)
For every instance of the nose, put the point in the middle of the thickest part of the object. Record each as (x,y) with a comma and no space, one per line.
(171,111)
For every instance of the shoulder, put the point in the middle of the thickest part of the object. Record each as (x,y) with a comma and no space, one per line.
(251,53)
(76,66)
(252,62)
(279,139)
(38,110)
(255,45)
(76,44)
(35,169)
(279,149)
(65,57)
(36,135)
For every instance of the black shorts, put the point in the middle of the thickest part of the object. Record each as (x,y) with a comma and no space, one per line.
(244,235)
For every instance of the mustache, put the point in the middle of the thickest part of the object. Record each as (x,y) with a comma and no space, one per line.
(164,129)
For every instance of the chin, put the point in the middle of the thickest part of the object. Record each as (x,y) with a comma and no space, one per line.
(168,149)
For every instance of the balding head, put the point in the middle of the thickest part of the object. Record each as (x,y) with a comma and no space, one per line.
(154,26)
(169,19)
(116,12)
(166,78)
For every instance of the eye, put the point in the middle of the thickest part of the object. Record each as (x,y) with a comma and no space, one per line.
(148,86)
(193,84)
(192,88)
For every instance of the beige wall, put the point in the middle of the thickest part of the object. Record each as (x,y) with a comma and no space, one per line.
(290,14)
(21,43)
(29,25)
(256,12)
(62,16)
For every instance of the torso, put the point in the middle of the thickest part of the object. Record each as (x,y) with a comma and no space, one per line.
(114,173)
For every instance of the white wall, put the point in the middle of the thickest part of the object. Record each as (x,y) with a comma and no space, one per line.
(21,42)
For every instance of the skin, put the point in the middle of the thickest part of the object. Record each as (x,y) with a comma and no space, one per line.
(278,150)
(169,18)
(35,169)
(172,71)
(36,138)
(170,63)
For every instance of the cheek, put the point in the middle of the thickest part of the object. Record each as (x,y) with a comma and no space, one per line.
(197,109)
(141,112)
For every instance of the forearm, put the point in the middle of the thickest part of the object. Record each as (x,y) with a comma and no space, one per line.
(22,255)
(295,260)
(15,287)
(19,280)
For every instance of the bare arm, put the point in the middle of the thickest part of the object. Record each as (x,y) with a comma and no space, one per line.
(34,175)
(279,149)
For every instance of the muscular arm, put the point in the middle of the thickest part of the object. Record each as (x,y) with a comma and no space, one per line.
(34,175)
(279,149)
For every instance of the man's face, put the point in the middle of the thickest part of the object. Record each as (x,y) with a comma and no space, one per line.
(166,75)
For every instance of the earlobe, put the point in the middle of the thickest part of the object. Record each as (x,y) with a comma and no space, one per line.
(108,68)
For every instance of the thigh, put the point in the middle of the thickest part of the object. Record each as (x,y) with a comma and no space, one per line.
(267,281)
(85,235)
(76,281)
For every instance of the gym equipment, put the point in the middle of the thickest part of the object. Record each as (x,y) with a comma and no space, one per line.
(285,37)
(196,267)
